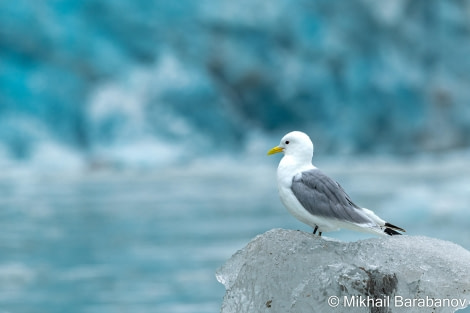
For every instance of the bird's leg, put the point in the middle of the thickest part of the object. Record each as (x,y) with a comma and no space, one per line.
(315,230)
(319,234)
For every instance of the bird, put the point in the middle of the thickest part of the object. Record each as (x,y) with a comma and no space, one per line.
(314,198)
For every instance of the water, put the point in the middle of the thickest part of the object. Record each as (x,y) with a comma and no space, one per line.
(150,241)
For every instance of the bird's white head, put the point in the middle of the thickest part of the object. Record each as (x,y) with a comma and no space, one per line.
(297,145)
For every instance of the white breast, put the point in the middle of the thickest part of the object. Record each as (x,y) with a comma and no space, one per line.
(285,173)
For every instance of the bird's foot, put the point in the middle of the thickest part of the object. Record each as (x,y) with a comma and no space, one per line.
(315,230)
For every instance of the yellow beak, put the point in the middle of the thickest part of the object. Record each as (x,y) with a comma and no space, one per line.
(275,150)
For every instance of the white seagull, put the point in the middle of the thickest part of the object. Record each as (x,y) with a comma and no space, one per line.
(314,198)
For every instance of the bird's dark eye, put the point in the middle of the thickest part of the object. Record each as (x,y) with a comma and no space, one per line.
(287,142)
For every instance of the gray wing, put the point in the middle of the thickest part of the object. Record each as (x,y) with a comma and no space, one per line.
(322,196)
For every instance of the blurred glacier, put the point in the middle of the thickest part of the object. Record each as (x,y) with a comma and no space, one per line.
(113,82)
(291,271)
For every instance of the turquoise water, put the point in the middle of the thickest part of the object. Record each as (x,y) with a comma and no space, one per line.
(150,241)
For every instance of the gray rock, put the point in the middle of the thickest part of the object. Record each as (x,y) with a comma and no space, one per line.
(293,271)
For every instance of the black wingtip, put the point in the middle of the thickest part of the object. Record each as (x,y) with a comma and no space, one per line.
(391,232)
(393,227)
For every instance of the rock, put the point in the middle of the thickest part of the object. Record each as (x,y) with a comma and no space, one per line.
(293,271)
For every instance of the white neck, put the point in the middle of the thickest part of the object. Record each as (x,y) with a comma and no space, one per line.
(291,166)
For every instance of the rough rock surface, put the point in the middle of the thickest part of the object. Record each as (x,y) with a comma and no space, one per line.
(293,271)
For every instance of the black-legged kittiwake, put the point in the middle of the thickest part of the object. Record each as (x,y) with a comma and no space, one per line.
(314,198)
